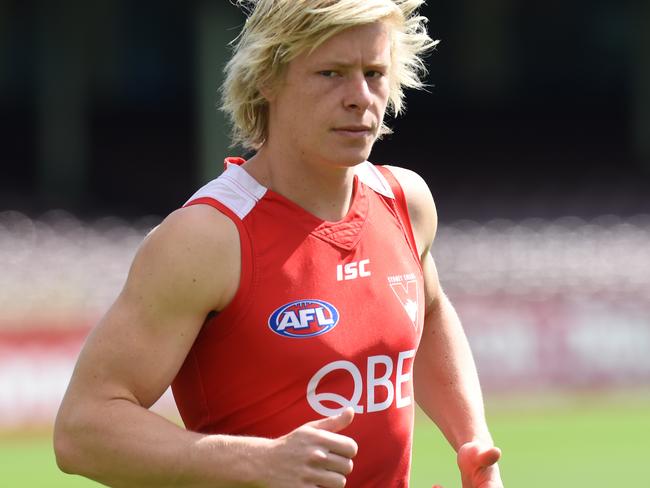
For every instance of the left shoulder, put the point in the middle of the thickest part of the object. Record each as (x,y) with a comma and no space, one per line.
(421,207)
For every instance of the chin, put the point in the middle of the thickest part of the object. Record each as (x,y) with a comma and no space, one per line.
(350,158)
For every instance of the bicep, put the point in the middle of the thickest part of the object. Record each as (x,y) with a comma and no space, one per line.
(134,353)
(140,344)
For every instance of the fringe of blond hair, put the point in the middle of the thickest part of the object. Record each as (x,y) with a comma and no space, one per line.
(276,31)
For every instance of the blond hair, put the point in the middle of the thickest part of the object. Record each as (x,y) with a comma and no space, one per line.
(276,31)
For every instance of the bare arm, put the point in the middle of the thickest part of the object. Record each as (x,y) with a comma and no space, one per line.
(445,378)
(186,268)
(103,429)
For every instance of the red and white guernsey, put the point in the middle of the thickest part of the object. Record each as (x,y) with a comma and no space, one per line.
(327,315)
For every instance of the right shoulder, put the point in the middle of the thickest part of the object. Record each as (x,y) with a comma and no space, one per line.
(192,256)
(200,222)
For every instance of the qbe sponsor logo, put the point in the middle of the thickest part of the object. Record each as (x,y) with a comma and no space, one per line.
(377,384)
(304,318)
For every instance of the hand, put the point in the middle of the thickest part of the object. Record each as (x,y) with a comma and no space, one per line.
(478,468)
(313,455)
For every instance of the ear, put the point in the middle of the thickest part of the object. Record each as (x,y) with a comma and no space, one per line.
(272,83)
(266,91)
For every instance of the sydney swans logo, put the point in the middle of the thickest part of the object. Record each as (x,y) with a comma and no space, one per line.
(405,288)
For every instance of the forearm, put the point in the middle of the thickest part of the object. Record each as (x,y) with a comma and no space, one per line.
(445,377)
(121,444)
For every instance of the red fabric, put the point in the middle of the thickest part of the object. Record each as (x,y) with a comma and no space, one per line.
(401,206)
(242,377)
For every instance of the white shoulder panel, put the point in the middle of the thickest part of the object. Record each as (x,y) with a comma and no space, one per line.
(371,176)
(235,189)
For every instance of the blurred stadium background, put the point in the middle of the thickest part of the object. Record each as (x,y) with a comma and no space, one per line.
(534,137)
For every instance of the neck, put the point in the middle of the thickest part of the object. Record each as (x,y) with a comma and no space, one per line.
(324,190)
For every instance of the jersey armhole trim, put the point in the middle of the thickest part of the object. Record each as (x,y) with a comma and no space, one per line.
(401,207)
(242,295)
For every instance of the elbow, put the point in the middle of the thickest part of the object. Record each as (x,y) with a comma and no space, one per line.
(63,452)
(66,442)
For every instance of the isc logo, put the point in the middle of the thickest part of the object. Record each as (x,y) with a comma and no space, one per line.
(353,270)
(304,318)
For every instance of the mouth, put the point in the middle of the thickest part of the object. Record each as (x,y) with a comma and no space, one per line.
(354,130)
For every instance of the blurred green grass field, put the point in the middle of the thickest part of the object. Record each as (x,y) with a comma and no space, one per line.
(581,443)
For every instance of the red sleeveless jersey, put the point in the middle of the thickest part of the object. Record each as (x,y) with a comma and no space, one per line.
(327,315)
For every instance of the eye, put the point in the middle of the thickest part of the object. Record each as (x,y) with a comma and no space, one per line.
(374,74)
(328,73)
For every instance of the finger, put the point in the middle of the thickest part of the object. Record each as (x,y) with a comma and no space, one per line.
(489,456)
(328,479)
(338,444)
(338,464)
(336,423)
(478,454)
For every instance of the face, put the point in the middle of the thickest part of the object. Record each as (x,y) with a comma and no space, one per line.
(330,104)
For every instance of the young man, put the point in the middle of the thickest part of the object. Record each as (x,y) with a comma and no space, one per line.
(293,302)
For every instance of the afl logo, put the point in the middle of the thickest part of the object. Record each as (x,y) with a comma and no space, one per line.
(304,318)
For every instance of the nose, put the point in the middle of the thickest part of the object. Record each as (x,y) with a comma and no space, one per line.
(357,93)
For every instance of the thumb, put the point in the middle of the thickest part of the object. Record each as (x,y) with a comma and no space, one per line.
(478,454)
(336,423)
(489,456)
